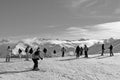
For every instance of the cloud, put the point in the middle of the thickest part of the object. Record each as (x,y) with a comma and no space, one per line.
(99,31)
(52,26)
(117,11)
(95,8)
(77,31)
(91,3)
(77,3)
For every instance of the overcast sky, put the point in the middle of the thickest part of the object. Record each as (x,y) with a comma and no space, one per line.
(64,19)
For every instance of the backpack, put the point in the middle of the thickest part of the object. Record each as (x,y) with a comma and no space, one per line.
(37,52)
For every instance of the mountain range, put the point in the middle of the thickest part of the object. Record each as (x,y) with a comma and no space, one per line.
(56,44)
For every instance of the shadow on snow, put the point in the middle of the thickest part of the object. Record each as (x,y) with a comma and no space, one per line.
(11,72)
(97,57)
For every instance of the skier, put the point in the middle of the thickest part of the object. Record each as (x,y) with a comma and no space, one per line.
(31,50)
(63,51)
(111,50)
(35,57)
(20,51)
(81,51)
(45,51)
(8,56)
(86,51)
(54,51)
(102,50)
(77,51)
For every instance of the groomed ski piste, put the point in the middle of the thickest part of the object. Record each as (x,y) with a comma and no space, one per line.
(95,67)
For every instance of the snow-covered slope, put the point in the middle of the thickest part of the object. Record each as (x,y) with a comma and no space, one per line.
(68,68)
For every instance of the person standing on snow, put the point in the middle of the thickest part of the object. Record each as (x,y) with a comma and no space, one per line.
(8,56)
(81,51)
(111,50)
(63,51)
(77,51)
(54,51)
(31,50)
(103,48)
(20,51)
(45,51)
(86,51)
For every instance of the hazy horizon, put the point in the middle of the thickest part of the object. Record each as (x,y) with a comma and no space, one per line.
(63,19)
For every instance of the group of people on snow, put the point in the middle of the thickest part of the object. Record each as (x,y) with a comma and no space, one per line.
(35,54)
(79,51)
(110,48)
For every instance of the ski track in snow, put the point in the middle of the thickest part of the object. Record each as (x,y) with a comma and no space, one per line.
(68,68)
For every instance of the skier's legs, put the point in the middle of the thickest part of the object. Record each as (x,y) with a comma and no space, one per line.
(34,63)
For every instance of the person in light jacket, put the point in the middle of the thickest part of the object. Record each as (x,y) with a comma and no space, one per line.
(9,52)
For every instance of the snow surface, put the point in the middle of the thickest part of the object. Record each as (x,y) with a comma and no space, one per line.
(96,67)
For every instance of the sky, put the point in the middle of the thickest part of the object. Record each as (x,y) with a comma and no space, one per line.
(62,19)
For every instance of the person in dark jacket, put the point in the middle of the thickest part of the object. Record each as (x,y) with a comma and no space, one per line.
(45,51)
(54,51)
(111,50)
(81,51)
(31,50)
(63,51)
(20,51)
(77,51)
(86,51)
(35,57)
(103,48)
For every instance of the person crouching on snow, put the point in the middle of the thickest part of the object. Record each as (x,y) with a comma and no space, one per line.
(35,57)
